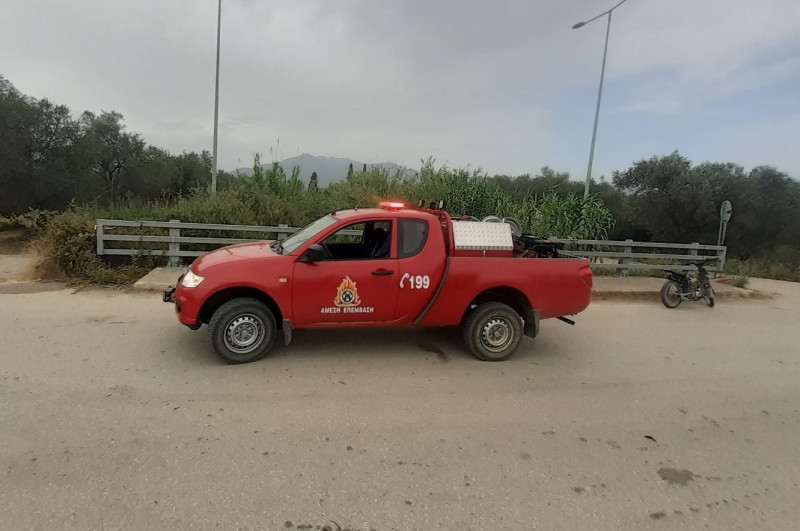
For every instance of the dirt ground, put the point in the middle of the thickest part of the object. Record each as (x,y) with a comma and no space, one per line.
(17,257)
(22,269)
(115,416)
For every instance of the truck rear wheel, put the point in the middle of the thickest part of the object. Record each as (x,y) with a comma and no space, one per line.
(242,330)
(492,331)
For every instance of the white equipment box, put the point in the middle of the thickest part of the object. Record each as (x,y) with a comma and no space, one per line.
(482,236)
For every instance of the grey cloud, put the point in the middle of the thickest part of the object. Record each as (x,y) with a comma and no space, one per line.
(468,81)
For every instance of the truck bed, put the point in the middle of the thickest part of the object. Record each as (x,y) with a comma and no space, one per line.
(555,287)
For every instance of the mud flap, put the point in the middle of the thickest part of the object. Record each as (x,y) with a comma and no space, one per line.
(531,323)
(287,332)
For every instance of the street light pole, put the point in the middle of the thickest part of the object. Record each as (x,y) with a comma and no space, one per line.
(599,91)
(216,107)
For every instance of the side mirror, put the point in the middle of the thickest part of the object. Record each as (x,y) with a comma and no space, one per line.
(315,253)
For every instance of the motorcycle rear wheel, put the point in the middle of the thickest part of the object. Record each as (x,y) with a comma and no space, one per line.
(670,294)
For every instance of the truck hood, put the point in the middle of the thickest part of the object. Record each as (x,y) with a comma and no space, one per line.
(234,253)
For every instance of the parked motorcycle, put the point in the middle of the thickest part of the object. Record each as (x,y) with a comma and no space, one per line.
(689,286)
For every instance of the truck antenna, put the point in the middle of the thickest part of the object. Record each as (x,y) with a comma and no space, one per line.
(362,201)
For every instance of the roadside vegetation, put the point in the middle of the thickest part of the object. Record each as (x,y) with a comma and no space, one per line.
(60,174)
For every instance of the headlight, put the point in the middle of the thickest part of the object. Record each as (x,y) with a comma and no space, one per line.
(190,280)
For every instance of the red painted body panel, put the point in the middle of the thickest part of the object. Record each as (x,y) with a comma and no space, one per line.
(390,291)
(247,265)
(555,287)
(430,263)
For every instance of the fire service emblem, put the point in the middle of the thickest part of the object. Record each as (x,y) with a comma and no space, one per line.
(347,294)
(347,300)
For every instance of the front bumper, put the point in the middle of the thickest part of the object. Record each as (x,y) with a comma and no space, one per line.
(187,303)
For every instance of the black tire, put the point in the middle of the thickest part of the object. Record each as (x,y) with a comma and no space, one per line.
(492,331)
(670,294)
(709,296)
(242,330)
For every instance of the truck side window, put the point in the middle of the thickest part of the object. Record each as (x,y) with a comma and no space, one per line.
(350,234)
(413,235)
(360,241)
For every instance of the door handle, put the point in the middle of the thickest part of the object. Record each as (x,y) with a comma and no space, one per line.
(383,273)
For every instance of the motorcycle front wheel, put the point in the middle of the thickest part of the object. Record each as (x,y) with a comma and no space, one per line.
(671,294)
(708,296)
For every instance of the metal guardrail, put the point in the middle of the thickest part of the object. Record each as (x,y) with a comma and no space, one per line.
(174,238)
(621,256)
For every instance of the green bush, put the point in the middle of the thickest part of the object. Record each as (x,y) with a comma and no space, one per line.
(71,235)
(475,194)
(271,198)
(740,281)
(34,222)
(71,242)
(773,267)
(274,200)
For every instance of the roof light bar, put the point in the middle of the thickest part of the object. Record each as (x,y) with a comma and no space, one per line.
(393,205)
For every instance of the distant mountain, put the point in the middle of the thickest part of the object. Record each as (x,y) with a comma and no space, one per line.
(329,169)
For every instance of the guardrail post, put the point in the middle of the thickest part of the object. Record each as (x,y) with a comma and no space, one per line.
(279,234)
(693,251)
(100,234)
(623,271)
(174,246)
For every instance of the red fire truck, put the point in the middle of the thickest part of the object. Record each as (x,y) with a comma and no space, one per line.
(390,266)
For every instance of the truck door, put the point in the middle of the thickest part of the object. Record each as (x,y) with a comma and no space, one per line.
(355,284)
(421,260)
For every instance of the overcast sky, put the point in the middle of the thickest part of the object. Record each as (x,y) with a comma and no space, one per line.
(503,85)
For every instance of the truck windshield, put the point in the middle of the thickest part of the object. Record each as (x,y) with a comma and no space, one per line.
(309,231)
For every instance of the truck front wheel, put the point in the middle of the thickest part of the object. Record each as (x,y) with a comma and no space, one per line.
(492,331)
(242,330)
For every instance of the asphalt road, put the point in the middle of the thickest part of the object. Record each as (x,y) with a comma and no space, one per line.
(114,416)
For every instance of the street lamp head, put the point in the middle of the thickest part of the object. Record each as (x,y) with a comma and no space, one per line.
(579,25)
